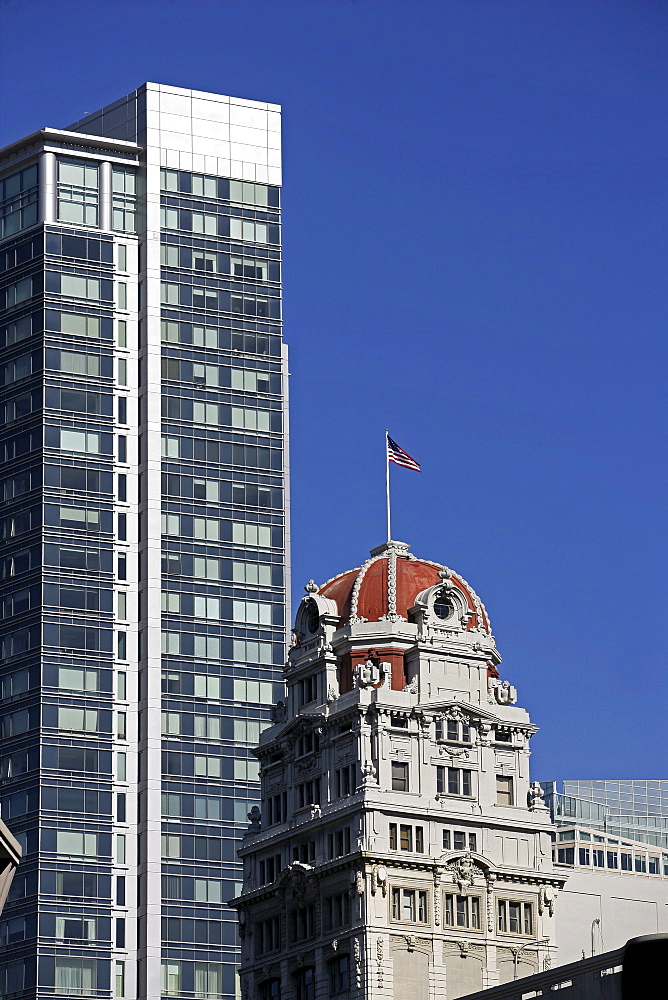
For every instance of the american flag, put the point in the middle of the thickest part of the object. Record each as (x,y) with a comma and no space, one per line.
(401,457)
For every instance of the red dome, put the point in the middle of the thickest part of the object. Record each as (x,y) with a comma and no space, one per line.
(364,593)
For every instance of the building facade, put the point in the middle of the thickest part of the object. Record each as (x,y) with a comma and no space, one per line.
(144,518)
(612,841)
(400,850)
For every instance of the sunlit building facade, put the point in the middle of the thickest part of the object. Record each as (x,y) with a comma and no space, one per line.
(144,535)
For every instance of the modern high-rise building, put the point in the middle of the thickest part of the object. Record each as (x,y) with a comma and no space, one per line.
(144,535)
(612,842)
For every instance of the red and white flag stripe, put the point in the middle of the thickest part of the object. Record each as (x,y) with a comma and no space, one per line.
(400,457)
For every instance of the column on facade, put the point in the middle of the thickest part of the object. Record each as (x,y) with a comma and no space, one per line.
(47,187)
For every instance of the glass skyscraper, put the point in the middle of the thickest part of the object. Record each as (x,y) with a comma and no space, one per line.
(144,536)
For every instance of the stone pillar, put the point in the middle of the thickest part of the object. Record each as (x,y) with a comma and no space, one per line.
(47,187)
(105,195)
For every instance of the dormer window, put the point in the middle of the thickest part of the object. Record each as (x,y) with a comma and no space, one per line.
(311,617)
(443,606)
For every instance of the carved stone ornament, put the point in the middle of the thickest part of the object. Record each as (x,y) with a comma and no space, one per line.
(446,750)
(332,694)
(412,686)
(503,692)
(379,879)
(311,587)
(368,774)
(464,948)
(484,734)
(366,674)
(357,953)
(547,895)
(464,871)
(295,879)
(535,797)
(455,714)
(255,820)
(379,961)
(411,941)
(437,897)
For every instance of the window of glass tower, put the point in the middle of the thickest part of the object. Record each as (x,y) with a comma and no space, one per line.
(18,201)
(124,199)
(78,198)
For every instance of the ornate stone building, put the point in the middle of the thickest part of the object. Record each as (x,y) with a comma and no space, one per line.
(401,851)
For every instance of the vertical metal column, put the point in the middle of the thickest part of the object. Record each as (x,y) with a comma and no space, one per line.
(47,187)
(105,195)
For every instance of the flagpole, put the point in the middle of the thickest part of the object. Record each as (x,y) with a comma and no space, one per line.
(387,484)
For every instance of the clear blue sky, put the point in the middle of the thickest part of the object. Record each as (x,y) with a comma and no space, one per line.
(475,256)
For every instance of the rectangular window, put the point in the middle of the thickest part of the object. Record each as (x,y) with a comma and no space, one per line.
(76,976)
(504,790)
(584,856)
(251,534)
(76,842)
(248,232)
(251,613)
(399,776)
(406,837)
(120,979)
(18,193)
(75,287)
(171,723)
(250,420)
(77,325)
(245,380)
(78,678)
(204,222)
(79,364)
(82,720)
(124,203)
(170,984)
(514,917)
(78,192)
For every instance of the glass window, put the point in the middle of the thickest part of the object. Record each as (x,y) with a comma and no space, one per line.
(399,776)
(78,192)
(18,201)
(124,200)
(76,975)
(77,325)
(504,790)
(170,978)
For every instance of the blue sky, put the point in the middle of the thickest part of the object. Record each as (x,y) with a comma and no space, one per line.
(475,256)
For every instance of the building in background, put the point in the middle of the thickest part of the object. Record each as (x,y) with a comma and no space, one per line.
(612,841)
(401,850)
(144,535)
